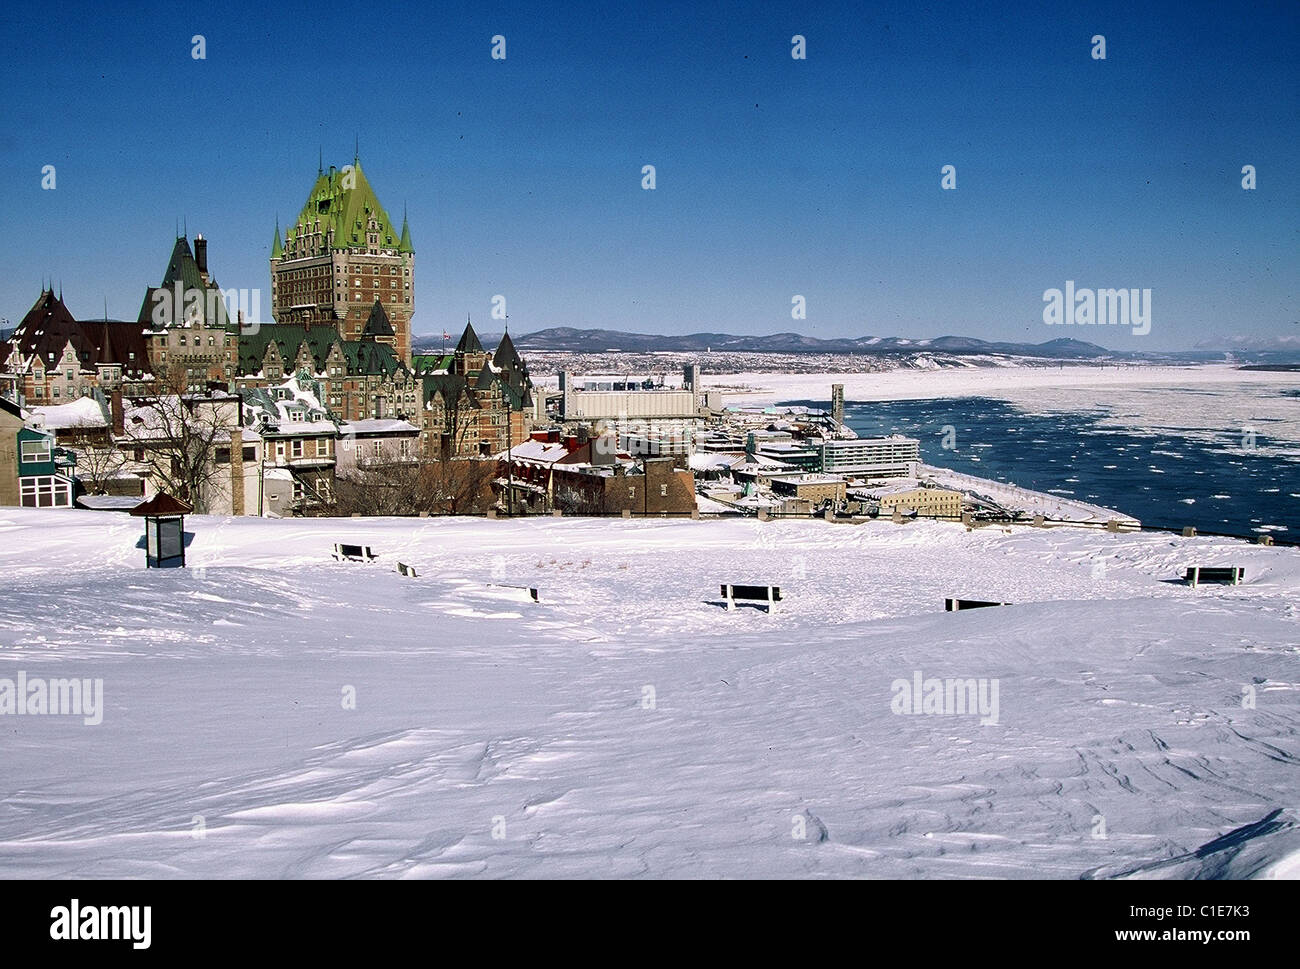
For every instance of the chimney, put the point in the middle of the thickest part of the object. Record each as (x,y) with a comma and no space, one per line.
(119,413)
(201,255)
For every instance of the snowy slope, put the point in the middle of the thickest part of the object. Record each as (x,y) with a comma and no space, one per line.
(480,714)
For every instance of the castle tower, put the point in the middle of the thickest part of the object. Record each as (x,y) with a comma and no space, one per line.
(340,257)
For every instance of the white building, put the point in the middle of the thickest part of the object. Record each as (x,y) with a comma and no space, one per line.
(894,456)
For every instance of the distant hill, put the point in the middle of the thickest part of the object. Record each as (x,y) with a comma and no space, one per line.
(571,339)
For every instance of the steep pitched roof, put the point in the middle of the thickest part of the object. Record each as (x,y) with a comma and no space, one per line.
(378,323)
(287,337)
(117,343)
(405,244)
(469,340)
(344,202)
(449,386)
(182,269)
(369,358)
(506,356)
(47,329)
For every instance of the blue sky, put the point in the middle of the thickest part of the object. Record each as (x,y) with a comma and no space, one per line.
(775,176)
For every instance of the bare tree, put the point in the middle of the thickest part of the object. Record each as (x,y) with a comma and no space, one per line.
(459,487)
(576,501)
(98,459)
(175,435)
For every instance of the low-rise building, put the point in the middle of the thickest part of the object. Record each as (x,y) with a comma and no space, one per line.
(376,442)
(812,488)
(923,502)
(34,472)
(298,436)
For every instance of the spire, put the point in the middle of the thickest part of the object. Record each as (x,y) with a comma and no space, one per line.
(277,250)
(320,160)
(356,149)
(405,244)
(469,340)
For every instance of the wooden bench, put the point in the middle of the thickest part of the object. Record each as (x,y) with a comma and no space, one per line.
(1197,574)
(353,553)
(770,594)
(521,591)
(956,605)
(407,570)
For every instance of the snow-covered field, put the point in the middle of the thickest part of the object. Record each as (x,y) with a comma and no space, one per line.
(627,725)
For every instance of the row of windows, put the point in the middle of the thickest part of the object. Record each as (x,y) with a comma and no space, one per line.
(46,492)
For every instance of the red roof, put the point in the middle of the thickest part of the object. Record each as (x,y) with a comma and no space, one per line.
(161,504)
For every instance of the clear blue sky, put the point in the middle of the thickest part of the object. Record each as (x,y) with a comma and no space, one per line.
(775,176)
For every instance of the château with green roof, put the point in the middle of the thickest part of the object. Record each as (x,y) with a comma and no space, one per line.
(341,255)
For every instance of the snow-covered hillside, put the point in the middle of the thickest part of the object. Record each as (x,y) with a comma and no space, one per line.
(628,725)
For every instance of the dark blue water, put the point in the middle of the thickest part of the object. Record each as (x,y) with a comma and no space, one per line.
(1166,481)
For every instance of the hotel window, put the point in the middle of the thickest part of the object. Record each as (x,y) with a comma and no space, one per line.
(296,446)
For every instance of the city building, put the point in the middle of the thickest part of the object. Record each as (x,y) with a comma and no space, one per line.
(341,256)
(874,457)
(34,472)
(577,474)
(52,358)
(812,488)
(298,440)
(186,324)
(376,442)
(921,501)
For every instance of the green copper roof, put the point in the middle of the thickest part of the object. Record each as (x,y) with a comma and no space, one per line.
(344,202)
(405,245)
(182,269)
(277,250)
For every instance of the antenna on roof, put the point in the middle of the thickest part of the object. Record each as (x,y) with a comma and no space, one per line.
(320,162)
(356,149)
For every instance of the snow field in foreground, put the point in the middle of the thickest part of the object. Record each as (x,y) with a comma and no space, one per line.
(627,724)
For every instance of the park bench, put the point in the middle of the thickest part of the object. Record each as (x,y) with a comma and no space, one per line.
(521,592)
(956,605)
(1197,574)
(353,553)
(770,594)
(407,570)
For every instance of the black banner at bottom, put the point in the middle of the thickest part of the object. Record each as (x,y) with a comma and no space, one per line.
(147,919)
